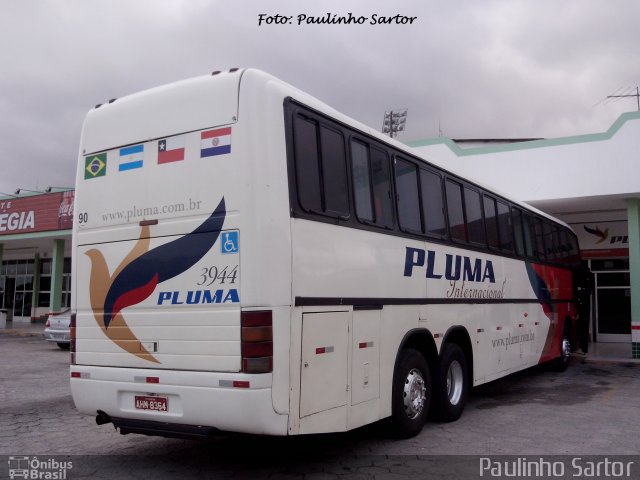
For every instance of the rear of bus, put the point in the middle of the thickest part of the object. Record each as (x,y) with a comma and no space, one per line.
(181,271)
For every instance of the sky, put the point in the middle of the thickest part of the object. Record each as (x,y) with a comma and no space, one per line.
(463,68)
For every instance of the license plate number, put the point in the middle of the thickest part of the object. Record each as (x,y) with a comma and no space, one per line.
(157,404)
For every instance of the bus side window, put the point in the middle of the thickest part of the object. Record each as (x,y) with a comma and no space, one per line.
(550,242)
(539,246)
(505,227)
(432,204)
(574,253)
(381,188)
(475,221)
(457,227)
(371,184)
(321,168)
(361,180)
(408,197)
(563,246)
(517,230)
(556,245)
(491,221)
(307,165)
(528,234)
(334,172)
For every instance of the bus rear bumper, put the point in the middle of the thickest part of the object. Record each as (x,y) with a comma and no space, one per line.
(162,429)
(177,403)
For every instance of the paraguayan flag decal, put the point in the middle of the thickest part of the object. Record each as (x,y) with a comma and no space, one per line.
(215,142)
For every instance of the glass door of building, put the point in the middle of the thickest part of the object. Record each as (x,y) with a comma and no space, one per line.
(16,280)
(612,300)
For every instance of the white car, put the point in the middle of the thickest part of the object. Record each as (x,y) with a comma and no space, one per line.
(58,329)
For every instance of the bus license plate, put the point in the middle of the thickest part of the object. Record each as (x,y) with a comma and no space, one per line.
(158,404)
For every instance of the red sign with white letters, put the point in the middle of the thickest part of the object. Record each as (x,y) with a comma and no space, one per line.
(39,213)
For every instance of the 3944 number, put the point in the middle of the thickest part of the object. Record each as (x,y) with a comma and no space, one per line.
(213,274)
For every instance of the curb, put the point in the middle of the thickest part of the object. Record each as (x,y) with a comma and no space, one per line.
(585,358)
(20,333)
(612,361)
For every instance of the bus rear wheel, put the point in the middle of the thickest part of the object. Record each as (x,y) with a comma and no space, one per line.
(451,384)
(561,363)
(411,394)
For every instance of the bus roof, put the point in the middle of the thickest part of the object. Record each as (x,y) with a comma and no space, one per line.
(162,111)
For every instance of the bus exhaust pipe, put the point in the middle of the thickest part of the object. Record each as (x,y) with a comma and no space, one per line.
(102,418)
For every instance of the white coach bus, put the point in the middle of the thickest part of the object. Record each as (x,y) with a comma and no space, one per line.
(247,259)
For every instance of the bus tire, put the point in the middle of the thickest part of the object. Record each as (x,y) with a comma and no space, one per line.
(451,384)
(411,394)
(561,363)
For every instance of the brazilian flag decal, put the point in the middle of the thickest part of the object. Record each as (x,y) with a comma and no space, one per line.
(95,166)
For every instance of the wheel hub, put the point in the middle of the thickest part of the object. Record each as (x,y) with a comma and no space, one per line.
(455,379)
(566,349)
(415,394)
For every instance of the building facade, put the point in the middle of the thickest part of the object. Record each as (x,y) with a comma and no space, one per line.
(35,254)
(592,182)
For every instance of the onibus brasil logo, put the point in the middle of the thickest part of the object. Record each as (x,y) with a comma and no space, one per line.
(27,467)
(139,273)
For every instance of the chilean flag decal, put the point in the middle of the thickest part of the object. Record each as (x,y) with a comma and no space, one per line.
(215,142)
(171,149)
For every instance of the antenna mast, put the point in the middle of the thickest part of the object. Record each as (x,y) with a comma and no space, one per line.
(637,95)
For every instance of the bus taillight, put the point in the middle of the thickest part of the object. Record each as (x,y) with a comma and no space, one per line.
(257,341)
(72,335)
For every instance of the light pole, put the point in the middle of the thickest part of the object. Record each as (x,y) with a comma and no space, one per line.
(394,121)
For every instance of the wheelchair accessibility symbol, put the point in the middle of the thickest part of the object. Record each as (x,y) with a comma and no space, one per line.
(230,242)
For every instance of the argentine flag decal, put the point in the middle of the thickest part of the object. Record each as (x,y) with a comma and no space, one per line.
(131,157)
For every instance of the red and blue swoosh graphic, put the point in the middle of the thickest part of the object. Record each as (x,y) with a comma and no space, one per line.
(540,287)
(138,280)
(137,276)
(552,286)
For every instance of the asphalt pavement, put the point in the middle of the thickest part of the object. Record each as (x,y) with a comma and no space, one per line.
(590,410)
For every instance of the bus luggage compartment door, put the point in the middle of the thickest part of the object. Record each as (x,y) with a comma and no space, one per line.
(323,377)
